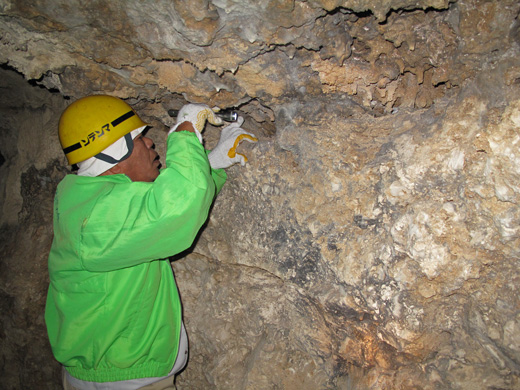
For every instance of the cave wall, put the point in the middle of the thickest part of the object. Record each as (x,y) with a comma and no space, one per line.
(373,239)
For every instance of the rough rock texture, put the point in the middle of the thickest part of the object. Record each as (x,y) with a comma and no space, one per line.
(373,239)
(29,172)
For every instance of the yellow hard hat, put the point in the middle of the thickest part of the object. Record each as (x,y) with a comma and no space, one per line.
(91,124)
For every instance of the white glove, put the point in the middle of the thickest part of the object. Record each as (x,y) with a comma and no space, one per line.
(197,114)
(225,153)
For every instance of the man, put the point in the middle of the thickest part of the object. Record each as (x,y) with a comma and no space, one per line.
(113,312)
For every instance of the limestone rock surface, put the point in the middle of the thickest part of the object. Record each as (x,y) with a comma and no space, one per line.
(371,242)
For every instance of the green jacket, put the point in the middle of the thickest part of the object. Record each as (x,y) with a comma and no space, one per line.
(113,311)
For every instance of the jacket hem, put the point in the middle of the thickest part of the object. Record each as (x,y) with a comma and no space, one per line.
(116,374)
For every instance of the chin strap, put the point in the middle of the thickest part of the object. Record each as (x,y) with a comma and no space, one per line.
(110,159)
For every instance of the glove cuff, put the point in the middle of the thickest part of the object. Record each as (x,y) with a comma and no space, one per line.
(197,133)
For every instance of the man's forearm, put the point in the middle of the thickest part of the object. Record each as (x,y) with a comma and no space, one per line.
(186,126)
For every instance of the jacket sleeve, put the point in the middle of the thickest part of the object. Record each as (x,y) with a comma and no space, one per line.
(136,222)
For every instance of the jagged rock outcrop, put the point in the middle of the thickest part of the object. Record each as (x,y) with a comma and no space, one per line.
(373,239)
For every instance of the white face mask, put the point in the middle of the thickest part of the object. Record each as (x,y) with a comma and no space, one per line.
(115,152)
